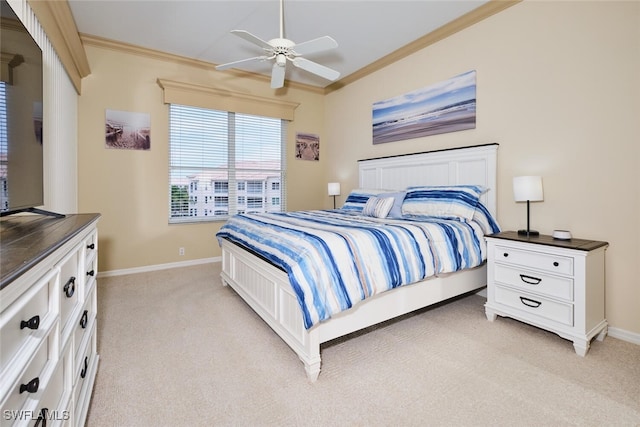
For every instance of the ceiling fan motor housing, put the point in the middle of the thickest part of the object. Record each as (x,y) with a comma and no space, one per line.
(282,46)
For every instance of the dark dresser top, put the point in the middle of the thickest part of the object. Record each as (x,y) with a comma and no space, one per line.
(543,239)
(25,240)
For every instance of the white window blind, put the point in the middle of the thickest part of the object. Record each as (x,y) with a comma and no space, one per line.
(223,163)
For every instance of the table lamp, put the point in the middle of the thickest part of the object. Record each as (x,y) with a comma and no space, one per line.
(334,190)
(528,189)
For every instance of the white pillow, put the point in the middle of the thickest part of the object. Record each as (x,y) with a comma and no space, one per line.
(378,207)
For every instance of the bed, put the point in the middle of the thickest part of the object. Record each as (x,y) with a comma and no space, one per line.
(263,270)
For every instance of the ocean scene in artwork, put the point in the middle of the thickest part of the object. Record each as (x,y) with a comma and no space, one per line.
(448,106)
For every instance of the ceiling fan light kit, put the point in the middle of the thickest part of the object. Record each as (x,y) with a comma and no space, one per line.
(280,50)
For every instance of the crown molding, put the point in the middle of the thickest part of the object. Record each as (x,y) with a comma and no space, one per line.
(57,21)
(478,14)
(90,40)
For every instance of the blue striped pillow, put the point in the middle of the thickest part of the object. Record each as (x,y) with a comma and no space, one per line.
(358,198)
(457,201)
(378,206)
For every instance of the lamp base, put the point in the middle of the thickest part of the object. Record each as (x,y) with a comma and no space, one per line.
(530,233)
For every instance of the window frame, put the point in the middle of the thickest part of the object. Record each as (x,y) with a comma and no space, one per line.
(237,189)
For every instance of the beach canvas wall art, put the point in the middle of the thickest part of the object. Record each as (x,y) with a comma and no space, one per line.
(307,146)
(127,130)
(448,106)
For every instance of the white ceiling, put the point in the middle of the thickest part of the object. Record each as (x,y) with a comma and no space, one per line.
(365,30)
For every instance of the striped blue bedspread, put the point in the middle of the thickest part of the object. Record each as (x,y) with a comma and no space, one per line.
(335,259)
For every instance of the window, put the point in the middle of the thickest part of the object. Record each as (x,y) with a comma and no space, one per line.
(254,187)
(219,154)
(221,186)
(254,203)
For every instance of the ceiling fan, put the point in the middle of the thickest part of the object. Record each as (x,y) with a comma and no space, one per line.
(282,50)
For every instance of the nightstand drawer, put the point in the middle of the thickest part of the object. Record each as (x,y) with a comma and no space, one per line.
(533,281)
(534,304)
(540,261)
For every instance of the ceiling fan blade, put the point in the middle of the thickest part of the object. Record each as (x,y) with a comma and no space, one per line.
(252,39)
(316,45)
(315,68)
(277,76)
(240,62)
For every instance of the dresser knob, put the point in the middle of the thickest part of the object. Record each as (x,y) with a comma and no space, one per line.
(70,287)
(555,263)
(31,386)
(83,373)
(32,323)
(83,319)
(505,254)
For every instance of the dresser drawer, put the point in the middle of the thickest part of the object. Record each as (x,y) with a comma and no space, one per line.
(540,261)
(534,281)
(534,304)
(50,407)
(31,382)
(25,320)
(70,286)
(91,246)
(87,353)
(91,271)
(84,327)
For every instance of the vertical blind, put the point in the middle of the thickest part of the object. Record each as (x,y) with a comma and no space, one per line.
(223,163)
(4,196)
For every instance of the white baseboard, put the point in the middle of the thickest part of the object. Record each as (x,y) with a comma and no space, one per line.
(624,335)
(157,267)
(618,333)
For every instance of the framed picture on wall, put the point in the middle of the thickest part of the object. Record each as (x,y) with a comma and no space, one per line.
(307,146)
(127,130)
(448,106)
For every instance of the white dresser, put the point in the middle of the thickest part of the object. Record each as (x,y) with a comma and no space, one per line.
(48,306)
(557,285)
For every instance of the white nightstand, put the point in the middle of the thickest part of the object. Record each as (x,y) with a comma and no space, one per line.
(557,285)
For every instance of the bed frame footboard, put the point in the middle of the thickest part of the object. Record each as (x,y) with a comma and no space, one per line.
(267,290)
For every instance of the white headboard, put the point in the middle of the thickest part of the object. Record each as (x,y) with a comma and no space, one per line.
(468,165)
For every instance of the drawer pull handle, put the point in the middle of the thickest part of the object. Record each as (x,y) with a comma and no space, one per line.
(83,319)
(530,280)
(32,323)
(91,246)
(91,273)
(530,303)
(70,287)
(42,417)
(31,386)
(505,254)
(83,373)
(556,263)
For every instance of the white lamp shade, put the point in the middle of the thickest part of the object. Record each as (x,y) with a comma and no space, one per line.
(334,188)
(527,188)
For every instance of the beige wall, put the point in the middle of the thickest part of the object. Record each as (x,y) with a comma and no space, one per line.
(130,188)
(558,87)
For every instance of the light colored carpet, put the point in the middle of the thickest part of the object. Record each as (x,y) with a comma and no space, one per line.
(177,348)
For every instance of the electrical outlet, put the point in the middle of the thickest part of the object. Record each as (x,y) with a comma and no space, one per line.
(181,251)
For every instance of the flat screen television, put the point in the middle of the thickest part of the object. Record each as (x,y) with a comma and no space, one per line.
(21,153)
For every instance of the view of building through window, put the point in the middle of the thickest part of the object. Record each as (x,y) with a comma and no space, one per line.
(205,195)
(224,163)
